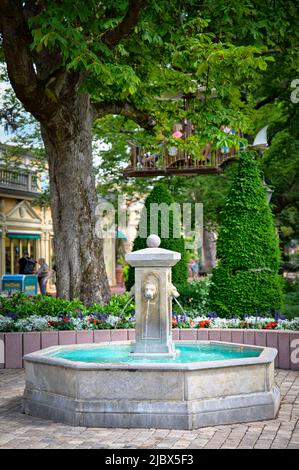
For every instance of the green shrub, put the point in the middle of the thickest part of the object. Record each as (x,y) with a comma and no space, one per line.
(21,306)
(245,292)
(159,195)
(245,279)
(291,285)
(118,303)
(24,306)
(194,297)
(291,302)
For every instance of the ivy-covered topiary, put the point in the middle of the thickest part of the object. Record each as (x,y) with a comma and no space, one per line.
(246,278)
(160,195)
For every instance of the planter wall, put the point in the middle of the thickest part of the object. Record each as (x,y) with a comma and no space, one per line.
(13,346)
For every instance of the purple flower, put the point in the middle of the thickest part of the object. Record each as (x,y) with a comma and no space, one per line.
(278,316)
(12,315)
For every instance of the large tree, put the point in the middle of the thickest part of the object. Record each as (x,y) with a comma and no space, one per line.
(40,40)
(71,63)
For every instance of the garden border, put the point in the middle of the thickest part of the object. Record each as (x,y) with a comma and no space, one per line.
(13,346)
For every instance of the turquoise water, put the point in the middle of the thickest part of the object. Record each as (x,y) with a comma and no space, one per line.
(186,353)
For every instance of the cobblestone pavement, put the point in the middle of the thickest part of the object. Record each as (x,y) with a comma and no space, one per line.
(20,431)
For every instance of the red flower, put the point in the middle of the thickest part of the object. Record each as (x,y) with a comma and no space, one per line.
(271,326)
(204,323)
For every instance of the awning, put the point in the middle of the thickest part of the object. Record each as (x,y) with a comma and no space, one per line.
(23,235)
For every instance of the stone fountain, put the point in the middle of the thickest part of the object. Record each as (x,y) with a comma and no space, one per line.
(153,291)
(149,383)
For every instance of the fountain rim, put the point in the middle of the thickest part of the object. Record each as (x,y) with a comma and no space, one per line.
(42,357)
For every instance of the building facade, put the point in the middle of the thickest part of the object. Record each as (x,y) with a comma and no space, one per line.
(25,226)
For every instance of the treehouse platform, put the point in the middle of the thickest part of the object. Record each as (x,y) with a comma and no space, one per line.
(180,164)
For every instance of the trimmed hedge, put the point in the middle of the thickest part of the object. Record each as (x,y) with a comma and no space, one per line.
(246,278)
(159,195)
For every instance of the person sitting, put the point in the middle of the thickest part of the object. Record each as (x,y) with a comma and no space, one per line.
(206,153)
(227,150)
(177,134)
(151,158)
(177,131)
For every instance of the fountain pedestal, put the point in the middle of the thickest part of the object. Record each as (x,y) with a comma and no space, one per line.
(153,292)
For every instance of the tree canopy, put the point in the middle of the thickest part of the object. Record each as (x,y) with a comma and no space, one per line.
(114,66)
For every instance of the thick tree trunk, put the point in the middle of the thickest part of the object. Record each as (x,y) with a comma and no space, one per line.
(78,248)
(51,93)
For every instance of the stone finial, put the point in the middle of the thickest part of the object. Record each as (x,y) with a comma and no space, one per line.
(153,241)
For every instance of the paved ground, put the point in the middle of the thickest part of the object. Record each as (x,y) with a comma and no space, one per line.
(20,431)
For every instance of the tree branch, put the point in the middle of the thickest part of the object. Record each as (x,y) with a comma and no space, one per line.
(267,100)
(16,44)
(275,95)
(124,109)
(114,36)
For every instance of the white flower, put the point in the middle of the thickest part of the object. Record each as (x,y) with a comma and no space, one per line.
(6,323)
(33,323)
(112,320)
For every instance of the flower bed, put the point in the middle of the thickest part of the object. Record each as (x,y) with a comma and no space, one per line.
(104,321)
(21,313)
(277,322)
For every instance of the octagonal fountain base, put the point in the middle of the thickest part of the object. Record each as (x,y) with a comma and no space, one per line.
(150,395)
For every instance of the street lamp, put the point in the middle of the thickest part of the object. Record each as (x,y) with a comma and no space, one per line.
(261,144)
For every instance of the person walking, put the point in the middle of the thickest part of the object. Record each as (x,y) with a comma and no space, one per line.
(42,275)
(194,269)
(52,273)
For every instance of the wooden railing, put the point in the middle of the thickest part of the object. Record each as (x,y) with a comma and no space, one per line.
(175,162)
(18,181)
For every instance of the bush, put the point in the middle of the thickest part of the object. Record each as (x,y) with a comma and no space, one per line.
(194,296)
(291,286)
(291,304)
(159,195)
(245,279)
(245,292)
(117,314)
(22,306)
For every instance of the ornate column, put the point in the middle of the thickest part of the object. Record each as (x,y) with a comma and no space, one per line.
(2,250)
(2,236)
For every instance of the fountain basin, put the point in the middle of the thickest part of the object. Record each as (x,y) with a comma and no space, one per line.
(151,394)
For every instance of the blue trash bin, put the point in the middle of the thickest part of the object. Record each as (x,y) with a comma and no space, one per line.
(26,283)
